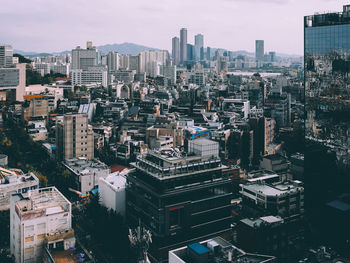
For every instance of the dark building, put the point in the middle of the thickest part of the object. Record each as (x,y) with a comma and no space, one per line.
(180,198)
(327,68)
(269,234)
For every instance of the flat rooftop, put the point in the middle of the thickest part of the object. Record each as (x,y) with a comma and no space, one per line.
(82,165)
(218,250)
(277,189)
(44,201)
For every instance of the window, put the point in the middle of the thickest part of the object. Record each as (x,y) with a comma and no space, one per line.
(40,237)
(29,228)
(29,239)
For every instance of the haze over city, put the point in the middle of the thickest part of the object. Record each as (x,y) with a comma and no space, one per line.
(53,26)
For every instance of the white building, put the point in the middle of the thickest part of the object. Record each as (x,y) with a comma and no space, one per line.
(112,191)
(94,75)
(88,172)
(13,182)
(84,58)
(13,83)
(42,219)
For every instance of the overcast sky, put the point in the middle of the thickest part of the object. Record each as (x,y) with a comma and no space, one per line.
(57,25)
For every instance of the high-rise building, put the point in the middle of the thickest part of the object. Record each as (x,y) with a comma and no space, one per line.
(199,44)
(84,58)
(259,51)
(74,137)
(183,45)
(179,197)
(6,55)
(13,83)
(327,63)
(190,52)
(113,61)
(208,53)
(39,223)
(176,50)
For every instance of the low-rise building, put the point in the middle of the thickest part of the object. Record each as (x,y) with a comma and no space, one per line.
(43,219)
(285,199)
(13,181)
(112,191)
(215,250)
(87,172)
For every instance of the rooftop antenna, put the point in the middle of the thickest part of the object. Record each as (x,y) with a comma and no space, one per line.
(140,238)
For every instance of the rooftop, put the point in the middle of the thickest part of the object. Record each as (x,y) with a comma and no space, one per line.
(214,251)
(263,221)
(82,165)
(278,189)
(44,201)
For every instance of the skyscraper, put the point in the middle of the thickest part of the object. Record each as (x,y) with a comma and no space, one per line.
(198,44)
(176,50)
(84,58)
(6,54)
(183,45)
(327,63)
(327,124)
(259,51)
(208,54)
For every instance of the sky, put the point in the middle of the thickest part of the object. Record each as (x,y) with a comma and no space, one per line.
(58,25)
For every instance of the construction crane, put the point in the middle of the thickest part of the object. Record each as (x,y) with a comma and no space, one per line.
(81,195)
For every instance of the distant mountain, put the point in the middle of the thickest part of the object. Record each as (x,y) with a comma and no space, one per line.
(31,54)
(133,49)
(124,48)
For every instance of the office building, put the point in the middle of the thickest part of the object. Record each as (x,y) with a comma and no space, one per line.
(74,137)
(175,50)
(183,45)
(259,52)
(42,220)
(208,54)
(84,58)
(13,82)
(326,55)
(6,55)
(177,211)
(93,75)
(199,45)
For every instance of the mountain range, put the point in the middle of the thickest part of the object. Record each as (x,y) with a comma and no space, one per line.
(130,48)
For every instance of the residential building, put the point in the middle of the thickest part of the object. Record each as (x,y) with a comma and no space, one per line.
(42,220)
(183,45)
(198,45)
(259,52)
(175,50)
(84,58)
(13,181)
(74,137)
(87,172)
